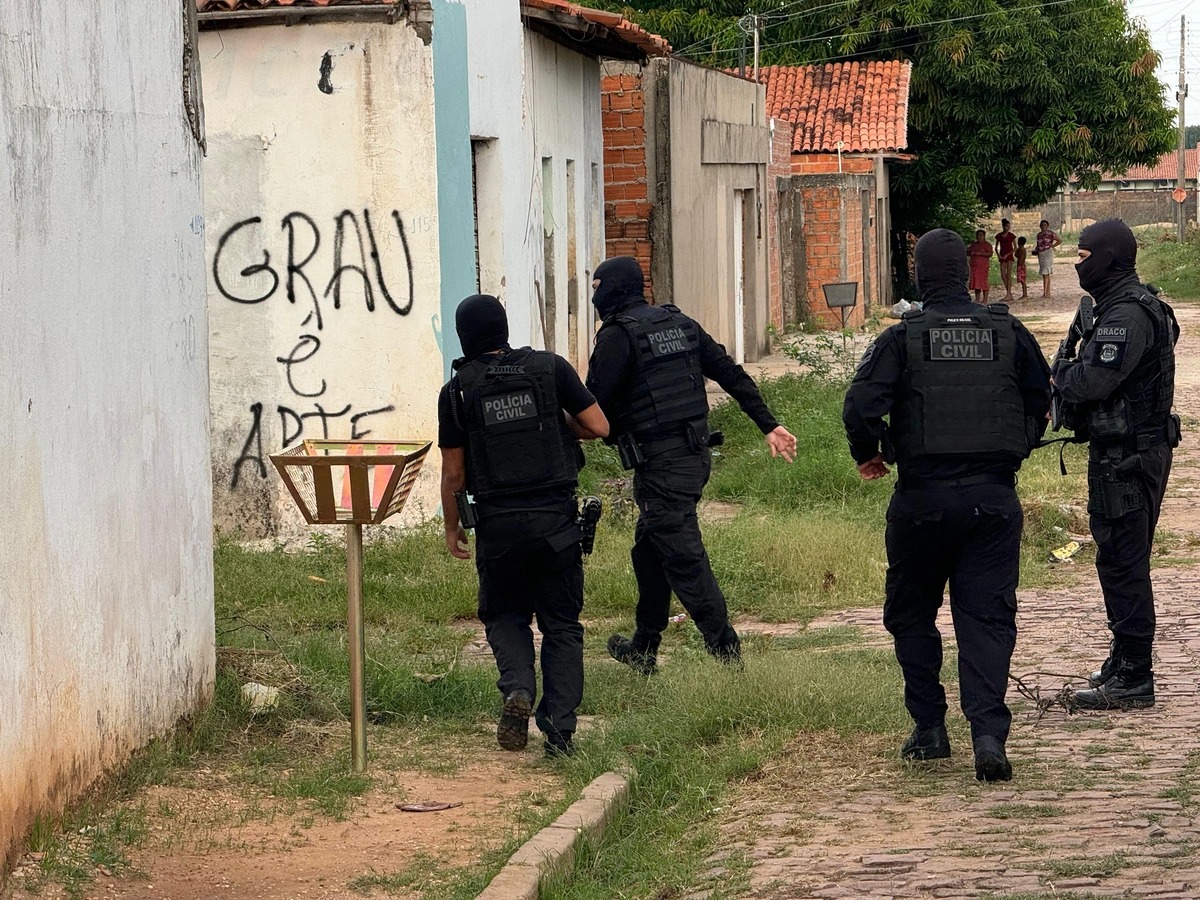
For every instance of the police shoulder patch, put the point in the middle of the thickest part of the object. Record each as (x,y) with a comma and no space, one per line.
(867,356)
(1107,352)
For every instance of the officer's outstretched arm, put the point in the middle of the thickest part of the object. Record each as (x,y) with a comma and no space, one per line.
(454,479)
(588,424)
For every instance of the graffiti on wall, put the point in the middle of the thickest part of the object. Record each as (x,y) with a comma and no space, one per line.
(244,271)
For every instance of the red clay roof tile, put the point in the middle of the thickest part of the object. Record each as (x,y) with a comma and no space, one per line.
(862,104)
(632,34)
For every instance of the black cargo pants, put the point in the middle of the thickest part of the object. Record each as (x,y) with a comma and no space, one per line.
(668,553)
(969,537)
(530,564)
(1124,542)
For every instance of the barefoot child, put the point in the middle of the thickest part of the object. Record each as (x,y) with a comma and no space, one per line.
(1021,275)
(979,255)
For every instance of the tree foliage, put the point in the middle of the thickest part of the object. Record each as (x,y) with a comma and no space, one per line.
(1009,98)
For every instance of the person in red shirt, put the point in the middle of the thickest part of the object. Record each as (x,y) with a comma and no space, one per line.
(1006,250)
(979,255)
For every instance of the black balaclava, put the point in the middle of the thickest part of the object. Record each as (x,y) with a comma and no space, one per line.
(1113,257)
(482,325)
(940,263)
(621,283)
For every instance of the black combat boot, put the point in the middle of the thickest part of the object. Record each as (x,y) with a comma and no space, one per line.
(991,762)
(730,653)
(512,732)
(1130,687)
(927,743)
(639,653)
(1109,667)
(559,745)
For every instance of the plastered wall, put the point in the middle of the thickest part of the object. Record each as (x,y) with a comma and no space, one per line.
(106,605)
(321,201)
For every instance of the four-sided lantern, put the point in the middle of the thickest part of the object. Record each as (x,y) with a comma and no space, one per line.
(842,296)
(352,483)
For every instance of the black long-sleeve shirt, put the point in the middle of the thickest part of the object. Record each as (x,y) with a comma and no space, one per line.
(612,365)
(879,376)
(1107,361)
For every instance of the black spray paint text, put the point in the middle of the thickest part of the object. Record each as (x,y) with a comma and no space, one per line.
(355,255)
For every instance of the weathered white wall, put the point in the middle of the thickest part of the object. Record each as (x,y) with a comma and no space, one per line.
(563,97)
(106,615)
(313,130)
(505,167)
(703,199)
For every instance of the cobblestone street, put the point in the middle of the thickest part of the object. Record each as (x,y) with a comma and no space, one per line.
(1101,805)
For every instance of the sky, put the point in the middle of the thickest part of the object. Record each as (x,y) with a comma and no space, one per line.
(1162,19)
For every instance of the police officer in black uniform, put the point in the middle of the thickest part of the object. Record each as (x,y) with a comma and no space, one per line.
(1122,386)
(966,389)
(647,372)
(507,427)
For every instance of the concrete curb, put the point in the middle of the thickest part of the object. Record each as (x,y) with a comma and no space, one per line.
(552,850)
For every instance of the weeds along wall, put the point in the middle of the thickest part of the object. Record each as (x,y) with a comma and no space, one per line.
(321,201)
(106,606)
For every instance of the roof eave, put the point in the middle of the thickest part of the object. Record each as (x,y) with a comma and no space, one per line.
(594,39)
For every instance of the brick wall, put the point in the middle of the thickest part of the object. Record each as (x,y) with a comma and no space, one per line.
(780,166)
(827,164)
(627,205)
(833,237)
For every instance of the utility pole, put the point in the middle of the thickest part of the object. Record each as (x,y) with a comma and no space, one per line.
(1181,181)
(756,48)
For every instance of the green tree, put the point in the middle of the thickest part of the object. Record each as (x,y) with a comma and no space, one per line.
(1009,98)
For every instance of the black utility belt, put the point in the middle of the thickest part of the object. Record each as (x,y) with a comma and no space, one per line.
(908,482)
(1171,433)
(693,439)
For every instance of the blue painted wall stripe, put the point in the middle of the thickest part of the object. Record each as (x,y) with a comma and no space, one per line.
(456,216)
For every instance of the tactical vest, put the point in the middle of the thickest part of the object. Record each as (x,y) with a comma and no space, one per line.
(963,396)
(1143,403)
(517,440)
(667,387)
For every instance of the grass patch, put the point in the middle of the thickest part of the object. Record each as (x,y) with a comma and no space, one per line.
(1025,811)
(1172,266)
(808,540)
(1087,867)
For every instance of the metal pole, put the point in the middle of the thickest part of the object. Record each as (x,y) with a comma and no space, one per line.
(357,634)
(756,49)
(1181,95)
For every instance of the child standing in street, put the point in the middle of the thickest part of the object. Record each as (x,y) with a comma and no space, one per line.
(979,256)
(1021,274)
(1005,250)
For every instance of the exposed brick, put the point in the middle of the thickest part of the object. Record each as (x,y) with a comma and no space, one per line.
(640,229)
(624,174)
(634,156)
(623,137)
(622,100)
(633,119)
(612,119)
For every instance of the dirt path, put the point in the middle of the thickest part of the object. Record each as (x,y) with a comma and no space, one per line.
(1101,805)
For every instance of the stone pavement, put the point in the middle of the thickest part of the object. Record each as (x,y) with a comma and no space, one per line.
(1101,804)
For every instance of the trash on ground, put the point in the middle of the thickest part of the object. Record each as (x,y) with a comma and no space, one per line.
(1066,551)
(260,696)
(679,619)
(429,806)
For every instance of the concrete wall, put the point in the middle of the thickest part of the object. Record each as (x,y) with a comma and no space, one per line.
(321,152)
(565,212)
(717,153)
(106,567)
(778,171)
(501,134)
